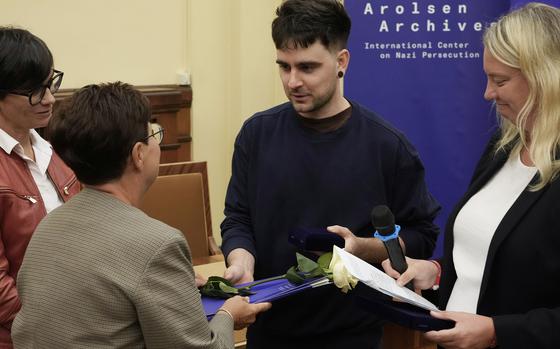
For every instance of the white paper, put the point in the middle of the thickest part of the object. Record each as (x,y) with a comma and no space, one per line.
(375,278)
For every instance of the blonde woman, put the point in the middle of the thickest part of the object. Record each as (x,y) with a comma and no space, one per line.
(501,267)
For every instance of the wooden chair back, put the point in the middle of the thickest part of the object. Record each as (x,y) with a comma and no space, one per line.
(179,197)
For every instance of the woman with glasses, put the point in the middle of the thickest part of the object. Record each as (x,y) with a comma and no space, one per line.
(33,179)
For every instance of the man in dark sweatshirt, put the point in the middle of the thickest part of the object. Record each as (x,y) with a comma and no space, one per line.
(318,161)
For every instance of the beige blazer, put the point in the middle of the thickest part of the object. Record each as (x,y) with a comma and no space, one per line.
(99,273)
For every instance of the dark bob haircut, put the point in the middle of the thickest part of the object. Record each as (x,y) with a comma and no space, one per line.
(95,129)
(25,61)
(299,23)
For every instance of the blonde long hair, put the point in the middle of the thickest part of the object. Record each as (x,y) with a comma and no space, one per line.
(528,39)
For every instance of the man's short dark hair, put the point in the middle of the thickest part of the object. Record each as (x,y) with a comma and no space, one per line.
(95,129)
(25,61)
(299,23)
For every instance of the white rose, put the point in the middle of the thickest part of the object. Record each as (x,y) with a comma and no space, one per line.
(341,277)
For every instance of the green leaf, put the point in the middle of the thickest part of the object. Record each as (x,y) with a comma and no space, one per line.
(218,287)
(212,289)
(220,279)
(305,264)
(315,272)
(227,288)
(211,285)
(294,277)
(325,260)
(215,293)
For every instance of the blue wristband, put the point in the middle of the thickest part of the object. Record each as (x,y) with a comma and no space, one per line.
(384,238)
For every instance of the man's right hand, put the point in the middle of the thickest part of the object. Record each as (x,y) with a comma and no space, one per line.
(241,266)
(237,275)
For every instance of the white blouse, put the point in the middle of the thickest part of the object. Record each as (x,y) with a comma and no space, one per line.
(475,226)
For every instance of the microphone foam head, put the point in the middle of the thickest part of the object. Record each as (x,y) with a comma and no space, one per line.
(383,220)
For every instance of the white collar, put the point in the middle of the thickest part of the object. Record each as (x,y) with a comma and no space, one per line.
(7,142)
(42,148)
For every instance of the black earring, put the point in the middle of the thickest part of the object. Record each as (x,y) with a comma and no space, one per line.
(340,74)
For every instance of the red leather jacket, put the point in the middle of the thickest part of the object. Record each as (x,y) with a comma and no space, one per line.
(21,209)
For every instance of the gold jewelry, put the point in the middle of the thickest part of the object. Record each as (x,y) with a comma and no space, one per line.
(225,311)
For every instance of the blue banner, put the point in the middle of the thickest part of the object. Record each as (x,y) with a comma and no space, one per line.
(517,3)
(419,65)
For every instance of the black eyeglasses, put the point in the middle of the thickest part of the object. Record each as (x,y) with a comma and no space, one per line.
(37,95)
(156,131)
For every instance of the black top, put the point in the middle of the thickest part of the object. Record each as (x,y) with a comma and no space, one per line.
(286,176)
(521,280)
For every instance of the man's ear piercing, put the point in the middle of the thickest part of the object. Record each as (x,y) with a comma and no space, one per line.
(340,74)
